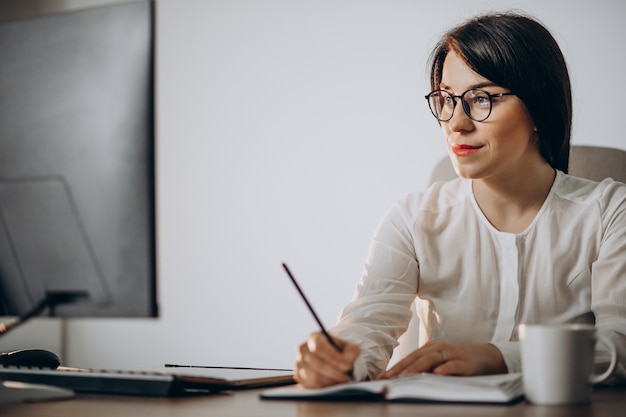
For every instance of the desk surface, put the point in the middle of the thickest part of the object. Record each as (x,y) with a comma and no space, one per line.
(606,402)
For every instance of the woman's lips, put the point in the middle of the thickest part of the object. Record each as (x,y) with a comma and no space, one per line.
(465,150)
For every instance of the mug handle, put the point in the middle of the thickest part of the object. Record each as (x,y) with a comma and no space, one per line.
(604,375)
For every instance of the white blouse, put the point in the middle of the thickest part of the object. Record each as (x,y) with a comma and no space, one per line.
(474,284)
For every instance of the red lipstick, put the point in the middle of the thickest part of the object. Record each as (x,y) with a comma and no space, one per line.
(464,150)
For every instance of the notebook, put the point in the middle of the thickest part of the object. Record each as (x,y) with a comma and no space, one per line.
(502,388)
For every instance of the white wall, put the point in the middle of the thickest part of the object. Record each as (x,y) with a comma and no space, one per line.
(285,131)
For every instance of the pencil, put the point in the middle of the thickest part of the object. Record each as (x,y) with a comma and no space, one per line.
(319,322)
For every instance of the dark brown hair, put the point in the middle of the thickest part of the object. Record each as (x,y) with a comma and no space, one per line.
(518,53)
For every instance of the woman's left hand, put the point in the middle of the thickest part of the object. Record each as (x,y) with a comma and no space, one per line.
(445,358)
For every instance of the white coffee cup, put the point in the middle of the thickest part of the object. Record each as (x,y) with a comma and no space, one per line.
(558,362)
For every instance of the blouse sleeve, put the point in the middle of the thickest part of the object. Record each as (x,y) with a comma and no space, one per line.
(380,310)
(608,279)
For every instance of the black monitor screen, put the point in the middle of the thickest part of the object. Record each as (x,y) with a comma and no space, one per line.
(77,192)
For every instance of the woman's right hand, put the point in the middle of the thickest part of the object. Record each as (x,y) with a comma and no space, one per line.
(320,364)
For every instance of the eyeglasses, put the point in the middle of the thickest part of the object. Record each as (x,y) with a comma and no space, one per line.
(476,103)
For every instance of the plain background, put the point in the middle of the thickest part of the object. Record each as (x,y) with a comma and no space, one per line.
(286,129)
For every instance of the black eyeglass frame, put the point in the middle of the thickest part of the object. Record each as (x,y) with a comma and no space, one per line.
(464,103)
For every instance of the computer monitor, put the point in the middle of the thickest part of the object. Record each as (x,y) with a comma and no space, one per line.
(77,149)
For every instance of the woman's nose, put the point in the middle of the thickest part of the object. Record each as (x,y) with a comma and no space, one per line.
(460,120)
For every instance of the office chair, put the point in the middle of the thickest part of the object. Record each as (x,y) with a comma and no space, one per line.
(597,163)
(591,162)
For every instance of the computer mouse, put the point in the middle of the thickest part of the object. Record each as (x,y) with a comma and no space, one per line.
(31,358)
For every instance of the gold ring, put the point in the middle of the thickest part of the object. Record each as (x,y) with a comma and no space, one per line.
(443,356)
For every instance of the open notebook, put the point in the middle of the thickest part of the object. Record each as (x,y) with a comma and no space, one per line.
(503,388)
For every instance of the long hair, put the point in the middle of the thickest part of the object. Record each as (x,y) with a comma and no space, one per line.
(518,53)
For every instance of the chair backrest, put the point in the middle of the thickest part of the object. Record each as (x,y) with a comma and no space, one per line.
(592,162)
(597,163)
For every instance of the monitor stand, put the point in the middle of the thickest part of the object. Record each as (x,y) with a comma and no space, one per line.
(20,392)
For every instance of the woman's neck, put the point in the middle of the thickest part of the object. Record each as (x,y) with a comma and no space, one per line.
(511,202)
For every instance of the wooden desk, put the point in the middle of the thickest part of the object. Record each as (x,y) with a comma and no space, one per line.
(607,402)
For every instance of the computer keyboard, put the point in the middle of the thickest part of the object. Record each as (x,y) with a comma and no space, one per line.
(165,381)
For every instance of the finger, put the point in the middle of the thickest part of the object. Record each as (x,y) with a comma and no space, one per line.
(316,378)
(422,360)
(327,370)
(426,362)
(309,378)
(398,368)
(343,359)
(321,347)
(314,369)
(349,353)
(454,367)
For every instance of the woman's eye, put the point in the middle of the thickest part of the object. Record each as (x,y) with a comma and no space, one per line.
(481,101)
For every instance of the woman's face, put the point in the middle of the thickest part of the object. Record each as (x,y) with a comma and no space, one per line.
(503,144)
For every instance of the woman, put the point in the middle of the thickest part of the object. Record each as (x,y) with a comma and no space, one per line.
(513,240)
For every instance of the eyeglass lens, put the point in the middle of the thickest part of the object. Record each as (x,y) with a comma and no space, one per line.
(476,104)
